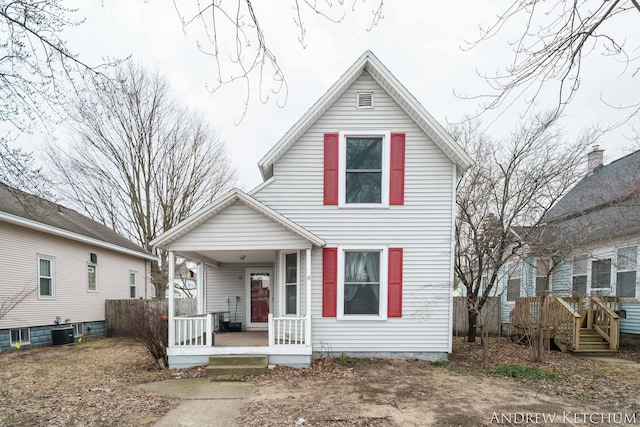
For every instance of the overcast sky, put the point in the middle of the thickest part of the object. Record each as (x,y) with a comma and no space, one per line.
(419,42)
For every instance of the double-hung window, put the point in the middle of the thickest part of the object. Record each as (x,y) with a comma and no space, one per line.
(133,284)
(364,169)
(363,174)
(579,284)
(92,283)
(627,265)
(514,281)
(291,265)
(542,277)
(601,277)
(362,288)
(46,284)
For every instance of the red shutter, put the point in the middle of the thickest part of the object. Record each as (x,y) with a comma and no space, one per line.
(396,194)
(394,307)
(330,168)
(329,281)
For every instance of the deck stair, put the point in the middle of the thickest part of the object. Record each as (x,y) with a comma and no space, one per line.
(235,365)
(579,325)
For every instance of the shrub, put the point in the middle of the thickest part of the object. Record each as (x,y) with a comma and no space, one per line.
(146,323)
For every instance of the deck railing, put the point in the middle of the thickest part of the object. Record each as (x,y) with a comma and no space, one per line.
(563,318)
(192,331)
(605,321)
(287,330)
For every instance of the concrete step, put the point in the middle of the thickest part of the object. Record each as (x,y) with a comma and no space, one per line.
(239,359)
(234,370)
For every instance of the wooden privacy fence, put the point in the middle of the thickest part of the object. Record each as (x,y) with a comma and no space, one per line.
(490,313)
(116,312)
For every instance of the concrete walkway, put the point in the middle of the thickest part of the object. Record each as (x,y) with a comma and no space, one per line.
(204,403)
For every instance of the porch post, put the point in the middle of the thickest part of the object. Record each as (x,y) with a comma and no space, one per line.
(307,331)
(170,286)
(200,298)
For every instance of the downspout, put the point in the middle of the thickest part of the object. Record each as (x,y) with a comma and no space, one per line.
(452,260)
(307,338)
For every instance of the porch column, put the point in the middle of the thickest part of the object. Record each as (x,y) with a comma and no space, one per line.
(307,338)
(200,297)
(170,287)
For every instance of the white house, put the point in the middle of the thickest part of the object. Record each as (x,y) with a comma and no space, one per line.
(347,244)
(66,265)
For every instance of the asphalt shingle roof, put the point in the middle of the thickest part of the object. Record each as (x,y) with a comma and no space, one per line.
(30,207)
(604,203)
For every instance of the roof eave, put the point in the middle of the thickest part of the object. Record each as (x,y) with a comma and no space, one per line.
(38,226)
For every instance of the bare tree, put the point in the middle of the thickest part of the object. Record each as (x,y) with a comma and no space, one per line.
(511,183)
(18,170)
(556,38)
(231,33)
(141,162)
(10,300)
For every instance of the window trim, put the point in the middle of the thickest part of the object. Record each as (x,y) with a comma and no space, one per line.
(384,285)
(605,258)
(95,273)
(342,167)
(21,341)
(52,277)
(135,286)
(283,282)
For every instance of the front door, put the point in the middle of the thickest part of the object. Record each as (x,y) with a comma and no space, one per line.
(258,292)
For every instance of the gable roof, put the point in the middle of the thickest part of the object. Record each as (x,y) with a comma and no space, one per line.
(604,203)
(27,210)
(369,62)
(223,203)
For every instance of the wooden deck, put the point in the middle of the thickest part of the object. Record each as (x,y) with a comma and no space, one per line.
(575,324)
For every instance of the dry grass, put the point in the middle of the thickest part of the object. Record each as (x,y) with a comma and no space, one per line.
(88,384)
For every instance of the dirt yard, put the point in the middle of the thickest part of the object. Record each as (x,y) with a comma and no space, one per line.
(93,384)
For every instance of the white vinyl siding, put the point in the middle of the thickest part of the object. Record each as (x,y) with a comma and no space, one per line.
(423,226)
(241,228)
(21,247)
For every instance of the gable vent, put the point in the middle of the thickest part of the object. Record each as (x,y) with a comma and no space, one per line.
(364,100)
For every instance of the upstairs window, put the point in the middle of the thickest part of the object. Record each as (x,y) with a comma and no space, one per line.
(627,266)
(364,169)
(363,177)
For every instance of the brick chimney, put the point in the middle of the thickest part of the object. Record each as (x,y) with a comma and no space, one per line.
(594,159)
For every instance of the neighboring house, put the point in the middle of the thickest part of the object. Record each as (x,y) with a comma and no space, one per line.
(69,263)
(185,281)
(596,236)
(347,245)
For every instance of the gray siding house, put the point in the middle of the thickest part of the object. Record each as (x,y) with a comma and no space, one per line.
(347,244)
(598,226)
(67,264)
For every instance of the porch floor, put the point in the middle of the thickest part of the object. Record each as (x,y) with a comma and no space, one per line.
(241,339)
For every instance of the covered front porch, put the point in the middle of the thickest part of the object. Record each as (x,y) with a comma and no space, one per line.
(254,284)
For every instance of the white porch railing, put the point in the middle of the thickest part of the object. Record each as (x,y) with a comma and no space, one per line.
(287,330)
(192,331)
